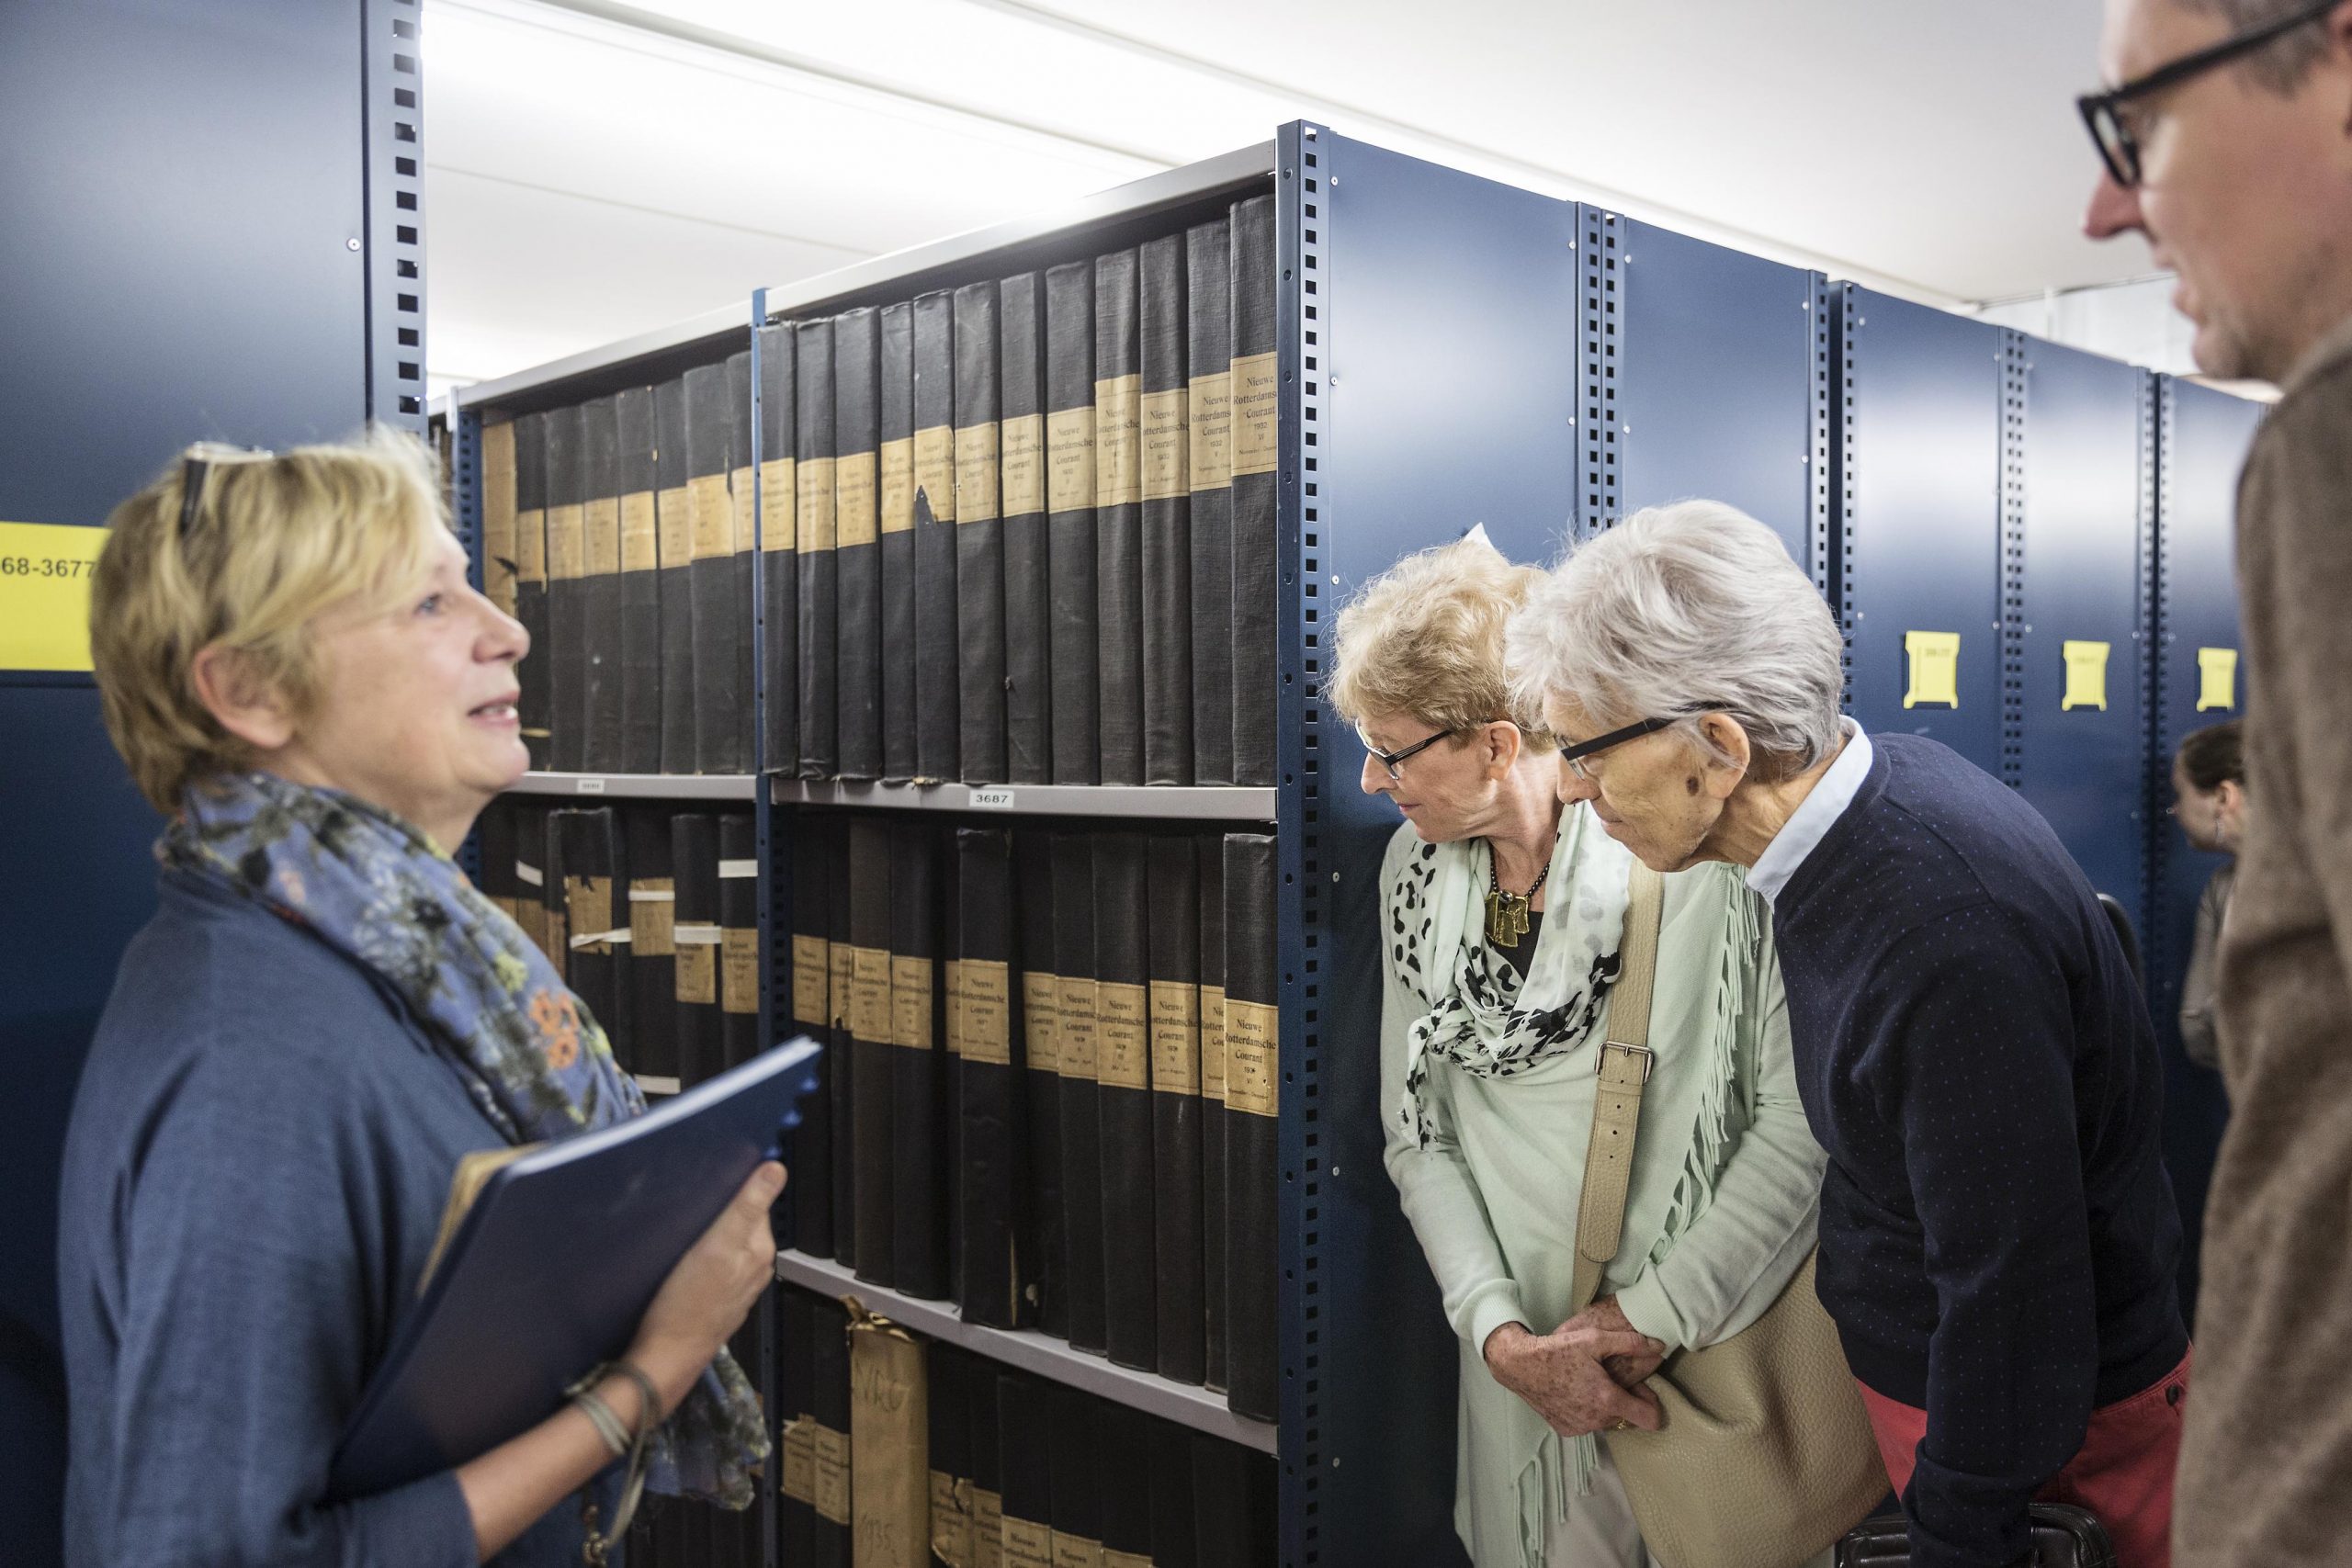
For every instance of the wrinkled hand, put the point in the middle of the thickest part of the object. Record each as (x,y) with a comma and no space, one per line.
(1562,1378)
(1628,1371)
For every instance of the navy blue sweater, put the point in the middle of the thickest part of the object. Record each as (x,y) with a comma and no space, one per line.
(1998,1236)
(259,1154)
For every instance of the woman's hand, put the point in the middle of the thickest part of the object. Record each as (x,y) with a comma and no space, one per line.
(1562,1378)
(1629,1372)
(710,1292)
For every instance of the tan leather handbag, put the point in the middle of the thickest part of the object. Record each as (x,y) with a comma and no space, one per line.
(1766,1456)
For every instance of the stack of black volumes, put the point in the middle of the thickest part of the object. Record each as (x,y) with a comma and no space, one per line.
(1061,1054)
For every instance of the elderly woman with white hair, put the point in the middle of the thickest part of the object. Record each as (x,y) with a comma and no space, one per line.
(1507,922)
(1998,1236)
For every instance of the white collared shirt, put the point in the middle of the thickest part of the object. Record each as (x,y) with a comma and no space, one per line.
(1814,817)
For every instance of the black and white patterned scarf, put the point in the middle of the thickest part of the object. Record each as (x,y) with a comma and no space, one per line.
(1481,1015)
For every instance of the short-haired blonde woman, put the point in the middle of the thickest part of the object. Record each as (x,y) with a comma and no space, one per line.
(320,1021)
(1504,920)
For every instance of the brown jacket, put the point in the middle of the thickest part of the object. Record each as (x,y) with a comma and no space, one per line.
(2266,1472)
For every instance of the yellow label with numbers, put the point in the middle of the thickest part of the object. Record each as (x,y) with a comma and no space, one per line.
(1935,669)
(45,569)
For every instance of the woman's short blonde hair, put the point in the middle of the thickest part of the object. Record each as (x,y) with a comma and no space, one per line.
(1425,638)
(273,543)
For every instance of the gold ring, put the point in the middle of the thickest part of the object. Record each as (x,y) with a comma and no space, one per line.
(1620,1425)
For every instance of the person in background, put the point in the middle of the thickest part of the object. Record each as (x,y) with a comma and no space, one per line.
(1501,915)
(2209,802)
(1998,1239)
(2226,143)
(322,1019)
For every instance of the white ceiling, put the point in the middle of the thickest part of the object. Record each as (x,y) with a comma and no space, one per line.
(597,168)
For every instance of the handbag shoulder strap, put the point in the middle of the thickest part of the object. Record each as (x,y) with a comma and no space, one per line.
(1623,1067)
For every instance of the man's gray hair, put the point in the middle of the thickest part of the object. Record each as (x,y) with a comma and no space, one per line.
(2280,65)
(1681,610)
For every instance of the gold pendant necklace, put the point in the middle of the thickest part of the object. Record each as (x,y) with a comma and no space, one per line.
(1507,912)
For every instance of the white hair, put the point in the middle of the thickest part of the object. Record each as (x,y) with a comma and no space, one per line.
(1682,610)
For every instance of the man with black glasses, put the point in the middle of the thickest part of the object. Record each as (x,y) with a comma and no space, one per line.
(2227,143)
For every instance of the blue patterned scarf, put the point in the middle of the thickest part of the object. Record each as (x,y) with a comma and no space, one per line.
(535,1062)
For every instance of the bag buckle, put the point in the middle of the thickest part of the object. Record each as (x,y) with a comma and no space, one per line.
(1601,1057)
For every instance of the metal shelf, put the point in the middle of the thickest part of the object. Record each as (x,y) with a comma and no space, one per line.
(1031,1352)
(639,786)
(1157,802)
(727,321)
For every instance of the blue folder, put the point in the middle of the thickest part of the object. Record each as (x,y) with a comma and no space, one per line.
(553,1266)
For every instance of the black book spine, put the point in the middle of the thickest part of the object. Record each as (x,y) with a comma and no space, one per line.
(1175,1528)
(795,1525)
(1118,516)
(600,446)
(937,683)
(1123,1437)
(873,1053)
(1176,1107)
(917,1068)
(710,421)
(1075,1458)
(535,704)
(1082,1205)
(857,552)
(841,954)
(675,522)
(979,539)
(996,1255)
(494,841)
(696,935)
(987,1469)
(1028,590)
(779,641)
(1257,408)
(652,949)
(949,1028)
(1123,1070)
(814,538)
(1252,1162)
(898,547)
(567,592)
(640,587)
(831,1437)
(812,1143)
(949,1374)
(1027,1415)
(1032,872)
(587,852)
(1210,863)
(1069,524)
(555,935)
(738,938)
(743,490)
(1209,333)
(531,871)
(1234,1504)
(1167,619)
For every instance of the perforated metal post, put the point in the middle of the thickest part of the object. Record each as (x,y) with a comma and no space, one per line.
(2155,823)
(2014,626)
(1598,317)
(1827,403)
(392,117)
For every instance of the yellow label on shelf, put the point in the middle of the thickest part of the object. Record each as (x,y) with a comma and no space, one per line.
(911,1001)
(986,998)
(673,514)
(1121,1036)
(1167,459)
(976,472)
(45,569)
(1934,667)
(2217,678)
(853,501)
(935,470)
(1213,1044)
(1256,411)
(713,509)
(1175,1037)
(813,478)
(1118,447)
(1210,444)
(898,485)
(745,496)
(567,543)
(779,504)
(2085,675)
(1252,1076)
(531,545)
(653,916)
(809,962)
(869,995)
(1041,1019)
(1022,470)
(1079,1045)
(739,969)
(640,533)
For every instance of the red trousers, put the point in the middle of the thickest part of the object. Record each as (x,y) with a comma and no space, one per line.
(2122,1472)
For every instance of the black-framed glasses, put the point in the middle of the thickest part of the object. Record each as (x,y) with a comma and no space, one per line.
(1573,756)
(1393,760)
(2102,113)
(197,462)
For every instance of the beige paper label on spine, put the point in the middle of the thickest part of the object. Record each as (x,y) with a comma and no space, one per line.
(531,546)
(697,972)
(640,535)
(809,962)
(588,902)
(746,498)
(1124,1558)
(935,470)
(1079,1045)
(567,543)
(1211,441)
(1213,1043)
(800,1482)
(1076,1551)
(988,1011)
(1257,409)
(602,526)
(674,511)
(713,516)
(910,1002)
(1027,1544)
(498,539)
(898,485)
(951,1521)
(855,499)
(1167,462)
(819,525)
(739,973)
(1175,1037)
(869,995)
(779,505)
(976,471)
(889,1468)
(833,1474)
(1121,1036)
(652,921)
(956,1007)
(988,1529)
(1252,1080)
(1118,446)
(1041,1018)
(842,961)
(1069,459)
(1023,469)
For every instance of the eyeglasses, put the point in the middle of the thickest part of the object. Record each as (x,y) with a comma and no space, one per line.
(1393,760)
(197,462)
(1573,756)
(2119,147)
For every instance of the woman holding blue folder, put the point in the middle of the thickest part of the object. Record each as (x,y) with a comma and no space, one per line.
(322,1019)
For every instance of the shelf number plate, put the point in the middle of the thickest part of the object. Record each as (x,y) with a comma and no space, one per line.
(588,785)
(990,800)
